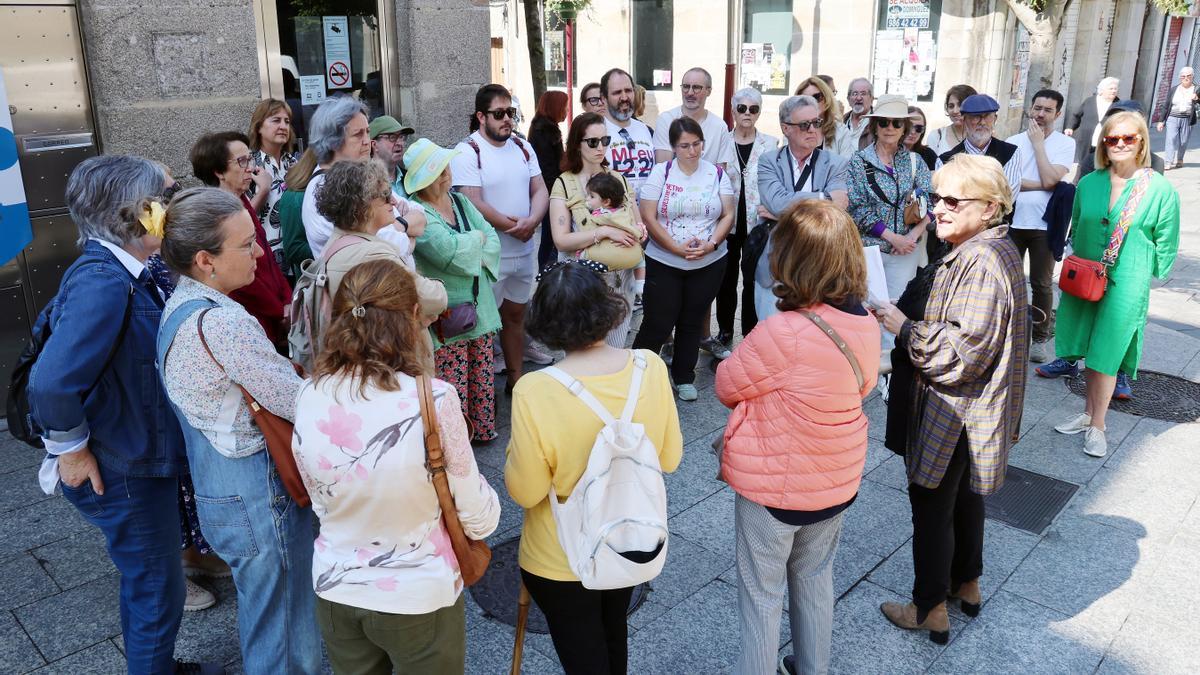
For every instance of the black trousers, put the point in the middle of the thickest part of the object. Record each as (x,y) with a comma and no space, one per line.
(588,627)
(947,533)
(678,300)
(727,295)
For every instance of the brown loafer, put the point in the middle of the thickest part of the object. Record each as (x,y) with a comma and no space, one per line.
(937,622)
(968,597)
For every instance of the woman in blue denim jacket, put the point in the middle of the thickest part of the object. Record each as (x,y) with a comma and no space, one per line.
(109,433)
(248,517)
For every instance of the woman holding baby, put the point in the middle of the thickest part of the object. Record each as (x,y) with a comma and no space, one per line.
(687,204)
(594,215)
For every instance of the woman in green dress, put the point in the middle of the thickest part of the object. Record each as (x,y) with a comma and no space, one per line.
(1108,333)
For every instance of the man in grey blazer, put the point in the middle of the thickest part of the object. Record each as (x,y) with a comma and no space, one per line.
(799,170)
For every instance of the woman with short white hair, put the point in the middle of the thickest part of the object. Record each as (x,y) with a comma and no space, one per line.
(1181,117)
(750,144)
(1084,125)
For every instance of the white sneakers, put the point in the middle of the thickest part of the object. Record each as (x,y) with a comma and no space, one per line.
(687,392)
(1094,442)
(1076,425)
(197,597)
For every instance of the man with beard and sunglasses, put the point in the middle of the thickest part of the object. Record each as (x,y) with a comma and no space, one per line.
(1047,158)
(979,119)
(499,173)
(696,87)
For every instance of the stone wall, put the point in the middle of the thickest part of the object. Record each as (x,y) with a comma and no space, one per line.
(163,72)
(444,57)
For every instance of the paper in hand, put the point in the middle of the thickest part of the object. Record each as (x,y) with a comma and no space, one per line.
(877,290)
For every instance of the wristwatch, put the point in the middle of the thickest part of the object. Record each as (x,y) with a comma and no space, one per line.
(401,221)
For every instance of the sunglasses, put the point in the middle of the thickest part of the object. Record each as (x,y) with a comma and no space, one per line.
(894,123)
(807,124)
(951,202)
(597,141)
(501,113)
(742,108)
(593,100)
(170,192)
(918,128)
(817,96)
(1130,139)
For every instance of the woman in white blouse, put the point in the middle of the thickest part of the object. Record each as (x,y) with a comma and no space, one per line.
(687,205)
(389,592)
(247,515)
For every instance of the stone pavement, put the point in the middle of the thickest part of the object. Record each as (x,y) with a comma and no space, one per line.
(1110,587)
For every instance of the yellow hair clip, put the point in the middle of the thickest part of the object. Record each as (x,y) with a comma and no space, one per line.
(153,218)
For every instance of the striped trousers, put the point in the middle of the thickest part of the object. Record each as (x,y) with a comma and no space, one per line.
(772,556)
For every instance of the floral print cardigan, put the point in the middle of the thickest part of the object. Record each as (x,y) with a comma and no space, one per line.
(362,457)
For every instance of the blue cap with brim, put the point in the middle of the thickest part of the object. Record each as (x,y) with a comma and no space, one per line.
(424,161)
(979,104)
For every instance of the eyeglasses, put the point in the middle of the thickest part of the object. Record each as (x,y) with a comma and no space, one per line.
(818,96)
(693,87)
(859,94)
(805,125)
(951,202)
(597,141)
(386,197)
(742,108)
(170,191)
(244,161)
(248,249)
(895,122)
(593,100)
(391,138)
(918,128)
(1129,139)
(500,113)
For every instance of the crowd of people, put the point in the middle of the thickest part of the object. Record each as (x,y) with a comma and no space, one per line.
(368,291)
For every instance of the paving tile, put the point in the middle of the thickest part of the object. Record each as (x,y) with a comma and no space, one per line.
(876,454)
(1043,450)
(1087,569)
(876,411)
(101,658)
(17,653)
(37,524)
(695,480)
(16,456)
(1173,592)
(890,472)
(490,648)
(73,620)
(1004,548)
(1167,350)
(701,417)
(865,642)
(1149,645)
(1018,636)
(211,635)
(878,521)
(1120,493)
(689,568)
(78,559)
(22,581)
(20,488)
(709,524)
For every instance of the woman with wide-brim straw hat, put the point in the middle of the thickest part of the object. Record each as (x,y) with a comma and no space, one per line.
(462,250)
(883,178)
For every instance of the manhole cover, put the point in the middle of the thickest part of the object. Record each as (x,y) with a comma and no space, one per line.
(496,592)
(1156,395)
(1028,501)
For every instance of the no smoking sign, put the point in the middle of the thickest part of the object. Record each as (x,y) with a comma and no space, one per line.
(339,75)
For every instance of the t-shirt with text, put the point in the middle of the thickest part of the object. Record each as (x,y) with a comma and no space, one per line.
(502,174)
(630,152)
(688,207)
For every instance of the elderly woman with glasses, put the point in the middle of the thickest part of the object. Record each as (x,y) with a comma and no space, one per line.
(884,179)
(969,351)
(750,144)
(210,351)
(1108,333)
(587,143)
(111,441)
(224,160)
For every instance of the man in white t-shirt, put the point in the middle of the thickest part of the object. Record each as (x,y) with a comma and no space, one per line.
(499,173)
(631,150)
(718,148)
(1046,156)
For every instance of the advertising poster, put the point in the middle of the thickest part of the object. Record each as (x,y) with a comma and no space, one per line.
(906,49)
(762,66)
(15,229)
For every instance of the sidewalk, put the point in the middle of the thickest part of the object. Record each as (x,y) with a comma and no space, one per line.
(1110,587)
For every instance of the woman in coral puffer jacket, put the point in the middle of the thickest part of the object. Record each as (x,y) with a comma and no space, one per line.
(797,437)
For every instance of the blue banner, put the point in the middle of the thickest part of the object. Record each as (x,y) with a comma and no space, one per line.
(15,230)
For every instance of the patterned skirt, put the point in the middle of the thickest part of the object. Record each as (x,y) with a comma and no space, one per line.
(468,366)
(189,523)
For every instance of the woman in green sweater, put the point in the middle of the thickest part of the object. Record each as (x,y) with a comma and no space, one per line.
(1108,332)
(461,249)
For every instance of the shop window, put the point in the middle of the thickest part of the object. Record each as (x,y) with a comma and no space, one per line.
(767,46)
(555,47)
(652,32)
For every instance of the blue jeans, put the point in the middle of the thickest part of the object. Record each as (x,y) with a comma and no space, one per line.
(1178,133)
(252,523)
(140,521)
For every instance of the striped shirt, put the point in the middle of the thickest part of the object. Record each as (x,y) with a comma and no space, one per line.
(1012,168)
(969,353)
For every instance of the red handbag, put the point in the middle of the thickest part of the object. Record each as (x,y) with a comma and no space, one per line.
(1088,279)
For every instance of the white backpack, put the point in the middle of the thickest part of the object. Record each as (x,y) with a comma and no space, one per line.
(613,527)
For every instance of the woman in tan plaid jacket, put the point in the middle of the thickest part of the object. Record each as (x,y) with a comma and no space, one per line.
(969,353)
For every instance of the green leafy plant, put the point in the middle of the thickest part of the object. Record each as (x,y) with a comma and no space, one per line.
(1176,7)
(567,9)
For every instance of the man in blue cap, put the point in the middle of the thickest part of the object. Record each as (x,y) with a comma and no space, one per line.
(979,119)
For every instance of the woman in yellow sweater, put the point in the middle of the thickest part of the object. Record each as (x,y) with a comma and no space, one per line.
(552,437)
